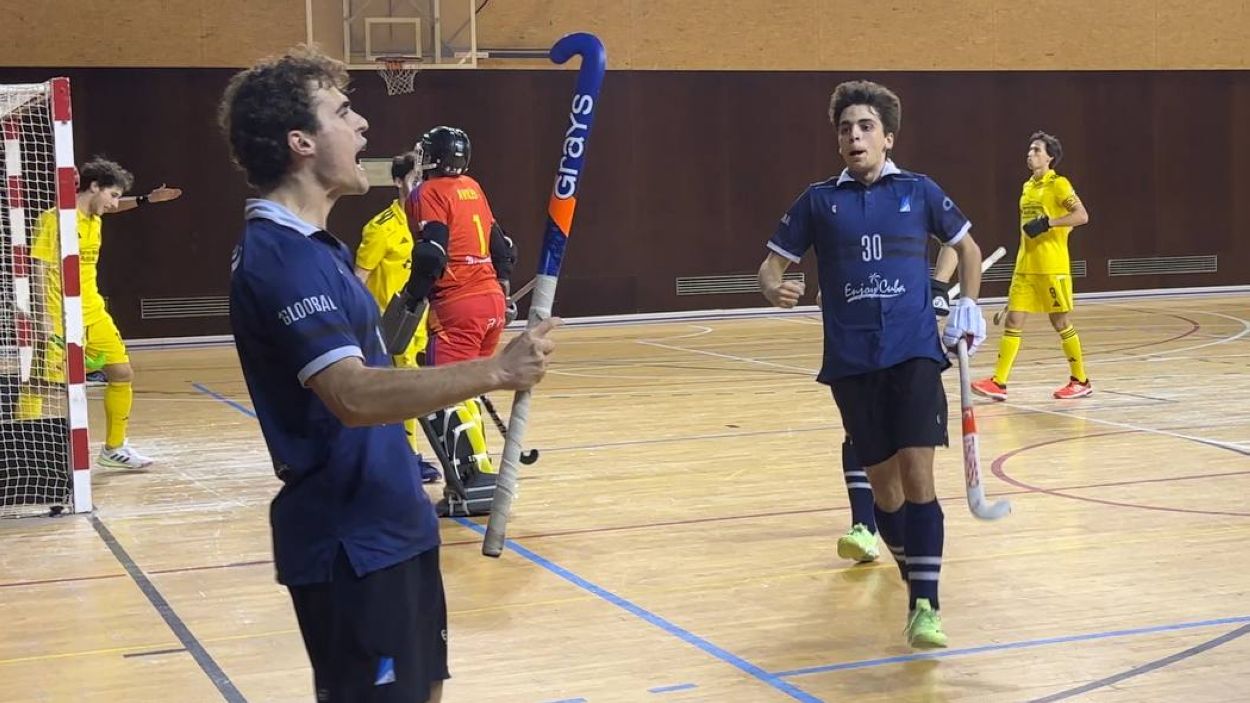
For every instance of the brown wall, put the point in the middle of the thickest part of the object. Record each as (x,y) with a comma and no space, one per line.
(687,172)
(671,34)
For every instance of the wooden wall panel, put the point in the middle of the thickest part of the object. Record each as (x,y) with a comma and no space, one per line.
(147,32)
(688,172)
(790,35)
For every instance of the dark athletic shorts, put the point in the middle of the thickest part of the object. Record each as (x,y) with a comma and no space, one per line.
(890,409)
(376,639)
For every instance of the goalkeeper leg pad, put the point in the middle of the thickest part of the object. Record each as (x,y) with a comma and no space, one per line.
(470,475)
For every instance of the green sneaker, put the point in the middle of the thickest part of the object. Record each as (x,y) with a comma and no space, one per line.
(924,627)
(859,544)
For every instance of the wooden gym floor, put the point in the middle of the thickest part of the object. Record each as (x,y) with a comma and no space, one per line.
(675,542)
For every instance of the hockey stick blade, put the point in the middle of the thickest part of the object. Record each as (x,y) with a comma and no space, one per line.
(529,456)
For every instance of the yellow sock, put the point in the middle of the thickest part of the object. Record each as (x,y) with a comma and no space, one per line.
(29,405)
(1072,350)
(1007,350)
(410,426)
(118,397)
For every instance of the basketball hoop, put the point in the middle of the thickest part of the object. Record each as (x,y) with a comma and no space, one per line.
(397,72)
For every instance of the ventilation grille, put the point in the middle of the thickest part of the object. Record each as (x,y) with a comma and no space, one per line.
(1002,270)
(1155,265)
(168,308)
(717,285)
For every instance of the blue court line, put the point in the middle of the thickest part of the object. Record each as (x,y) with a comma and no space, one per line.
(672,689)
(774,679)
(232,403)
(739,663)
(681,633)
(1024,644)
(1147,667)
(201,656)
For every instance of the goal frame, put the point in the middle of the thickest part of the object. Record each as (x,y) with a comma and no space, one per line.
(55,93)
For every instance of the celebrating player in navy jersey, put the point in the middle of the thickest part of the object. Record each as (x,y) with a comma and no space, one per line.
(883,357)
(355,538)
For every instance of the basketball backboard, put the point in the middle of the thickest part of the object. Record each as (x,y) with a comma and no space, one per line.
(434,33)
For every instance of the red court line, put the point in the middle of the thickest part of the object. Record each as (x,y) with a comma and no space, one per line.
(996,468)
(1022,489)
(1001,473)
(70,579)
(1193,329)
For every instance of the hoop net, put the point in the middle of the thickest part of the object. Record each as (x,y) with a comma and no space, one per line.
(398,73)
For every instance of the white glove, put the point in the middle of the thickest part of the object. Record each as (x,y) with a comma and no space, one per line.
(965,321)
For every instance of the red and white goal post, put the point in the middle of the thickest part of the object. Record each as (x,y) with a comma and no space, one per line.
(45,463)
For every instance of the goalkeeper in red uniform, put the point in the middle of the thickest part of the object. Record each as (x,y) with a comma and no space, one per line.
(461,263)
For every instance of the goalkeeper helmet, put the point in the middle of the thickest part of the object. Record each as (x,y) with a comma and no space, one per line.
(445,151)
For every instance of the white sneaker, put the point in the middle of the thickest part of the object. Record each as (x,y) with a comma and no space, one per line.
(123,457)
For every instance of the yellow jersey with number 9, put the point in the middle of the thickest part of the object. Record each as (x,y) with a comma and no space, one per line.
(386,252)
(1051,195)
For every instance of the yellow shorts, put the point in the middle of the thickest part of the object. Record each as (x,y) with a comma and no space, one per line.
(1040,293)
(103,338)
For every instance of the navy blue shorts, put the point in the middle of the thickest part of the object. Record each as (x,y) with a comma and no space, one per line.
(378,638)
(891,409)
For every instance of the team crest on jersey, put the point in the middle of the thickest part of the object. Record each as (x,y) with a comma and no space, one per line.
(904,205)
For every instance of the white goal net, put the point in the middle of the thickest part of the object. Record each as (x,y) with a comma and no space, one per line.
(42,399)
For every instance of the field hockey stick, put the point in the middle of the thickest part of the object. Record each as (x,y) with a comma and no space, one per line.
(998,316)
(973,487)
(985,266)
(529,456)
(523,291)
(560,208)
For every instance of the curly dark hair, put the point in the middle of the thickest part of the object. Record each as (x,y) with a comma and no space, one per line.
(874,95)
(403,165)
(105,174)
(1054,149)
(262,104)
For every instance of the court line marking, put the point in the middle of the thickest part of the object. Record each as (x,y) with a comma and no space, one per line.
(997,468)
(679,632)
(765,677)
(638,611)
(217,396)
(1147,667)
(1021,644)
(201,656)
(602,593)
(673,688)
(1122,425)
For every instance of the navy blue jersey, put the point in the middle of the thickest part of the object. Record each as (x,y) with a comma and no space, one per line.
(295,309)
(872,262)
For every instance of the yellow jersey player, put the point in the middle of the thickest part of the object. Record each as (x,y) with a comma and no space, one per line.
(383,263)
(101,185)
(1042,281)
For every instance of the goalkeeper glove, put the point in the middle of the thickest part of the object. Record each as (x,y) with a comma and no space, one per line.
(1037,226)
